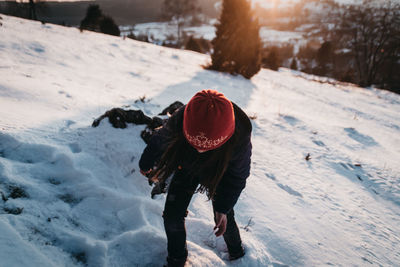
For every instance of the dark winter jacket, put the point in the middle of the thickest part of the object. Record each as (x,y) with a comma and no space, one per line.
(233,180)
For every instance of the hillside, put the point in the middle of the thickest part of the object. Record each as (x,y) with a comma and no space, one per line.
(72,195)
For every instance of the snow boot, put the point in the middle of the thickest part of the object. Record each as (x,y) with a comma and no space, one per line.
(237,254)
(171,262)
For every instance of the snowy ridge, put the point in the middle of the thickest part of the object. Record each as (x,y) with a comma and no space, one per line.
(72,195)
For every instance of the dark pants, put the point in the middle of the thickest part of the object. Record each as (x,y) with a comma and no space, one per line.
(179,195)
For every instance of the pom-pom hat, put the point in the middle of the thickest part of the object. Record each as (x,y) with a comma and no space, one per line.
(208,120)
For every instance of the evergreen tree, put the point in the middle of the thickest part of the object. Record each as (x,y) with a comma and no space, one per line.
(193,44)
(237,45)
(96,21)
(32,10)
(92,19)
(108,26)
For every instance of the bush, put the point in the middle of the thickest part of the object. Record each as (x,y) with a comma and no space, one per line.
(200,45)
(139,37)
(96,21)
(108,26)
(193,44)
(205,45)
(271,58)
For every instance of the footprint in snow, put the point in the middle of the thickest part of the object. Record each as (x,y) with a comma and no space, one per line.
(359,137)
(54,181)
(37,47)
(290,190)
(68,124)
(75,147)
(318,143)
(291,120)
(65,93)
(271,176)
(355,172)
(134,74)
(351,171)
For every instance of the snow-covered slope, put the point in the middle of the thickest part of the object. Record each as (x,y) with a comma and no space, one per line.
(72,195)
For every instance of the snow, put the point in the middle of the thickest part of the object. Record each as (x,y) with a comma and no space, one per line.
(271,36)
(160,31)
(157,32)
(72,195)
(274,3)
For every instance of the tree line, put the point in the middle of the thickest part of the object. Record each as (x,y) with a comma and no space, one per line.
(361,43)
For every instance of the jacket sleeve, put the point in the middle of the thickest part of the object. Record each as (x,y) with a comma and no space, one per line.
(158,143)
(234,179)
(154,150)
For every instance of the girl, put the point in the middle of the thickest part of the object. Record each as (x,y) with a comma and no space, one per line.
(206,147)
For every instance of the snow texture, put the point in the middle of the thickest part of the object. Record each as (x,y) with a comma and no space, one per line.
(72,195)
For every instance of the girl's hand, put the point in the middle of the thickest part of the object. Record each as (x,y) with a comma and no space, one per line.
(145,173)
(220,223)
(154,177)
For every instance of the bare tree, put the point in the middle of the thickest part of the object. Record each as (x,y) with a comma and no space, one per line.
(372,33)
(179,11)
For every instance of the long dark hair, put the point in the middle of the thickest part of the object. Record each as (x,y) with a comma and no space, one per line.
(208,167)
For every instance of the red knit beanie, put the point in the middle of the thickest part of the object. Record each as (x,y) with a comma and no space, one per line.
(208,120)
